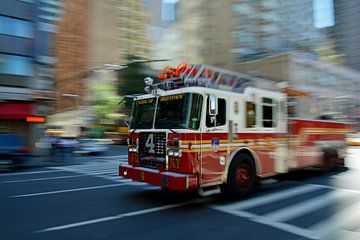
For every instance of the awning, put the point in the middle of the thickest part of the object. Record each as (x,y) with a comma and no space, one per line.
(16,110)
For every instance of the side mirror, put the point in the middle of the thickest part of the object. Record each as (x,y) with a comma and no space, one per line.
(213,105)
(126,121)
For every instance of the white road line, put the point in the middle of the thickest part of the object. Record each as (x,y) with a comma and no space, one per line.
(325,228)
(321,230)
(42,179)
(60,177)
(272,197)
(25,173)
(67,190)
(119,216)
(259,219)
(115,157)
(291,212)
(137,183)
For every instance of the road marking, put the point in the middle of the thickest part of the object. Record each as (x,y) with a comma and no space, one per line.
(273,197)
(61,177)
(278,218)
(297,210)
(41,179)
(119,216)
(120,157)
(25,173)
(67,190)
(325,228)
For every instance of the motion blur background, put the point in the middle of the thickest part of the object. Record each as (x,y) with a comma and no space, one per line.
(65,65)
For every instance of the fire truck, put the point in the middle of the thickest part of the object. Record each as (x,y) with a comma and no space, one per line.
(209,129)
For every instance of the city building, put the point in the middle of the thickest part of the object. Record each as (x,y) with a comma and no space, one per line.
(347,31)
(17,68)
(103,44)
(133,35)
(273,26)
(200,33)
(71,53)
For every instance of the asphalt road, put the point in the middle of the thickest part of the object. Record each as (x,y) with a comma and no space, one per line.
(89,201)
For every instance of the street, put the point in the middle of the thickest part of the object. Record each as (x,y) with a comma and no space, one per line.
(90,201)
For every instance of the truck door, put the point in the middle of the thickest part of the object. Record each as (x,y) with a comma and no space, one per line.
(214,140)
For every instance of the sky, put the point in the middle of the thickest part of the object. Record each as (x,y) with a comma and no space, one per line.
(323,13)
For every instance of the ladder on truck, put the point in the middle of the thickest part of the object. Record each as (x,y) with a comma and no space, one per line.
(204,75)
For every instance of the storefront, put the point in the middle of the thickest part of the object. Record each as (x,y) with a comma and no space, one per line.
(18,117)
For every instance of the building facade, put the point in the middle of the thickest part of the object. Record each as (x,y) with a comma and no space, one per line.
(26,64)
(273,26)
(133,27)
(71,53)
(347,31)
(17,69)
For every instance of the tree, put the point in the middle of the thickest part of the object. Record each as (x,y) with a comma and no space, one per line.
(106,103)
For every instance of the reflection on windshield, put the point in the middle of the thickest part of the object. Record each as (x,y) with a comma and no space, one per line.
(179,111)
(143,113)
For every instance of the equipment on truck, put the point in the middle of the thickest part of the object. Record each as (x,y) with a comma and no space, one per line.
(206,128)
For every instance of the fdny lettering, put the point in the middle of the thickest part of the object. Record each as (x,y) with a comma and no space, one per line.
(174,163)
(171,98)
(145,101)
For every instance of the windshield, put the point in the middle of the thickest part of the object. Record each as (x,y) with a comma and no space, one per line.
(143,113)
(179,111)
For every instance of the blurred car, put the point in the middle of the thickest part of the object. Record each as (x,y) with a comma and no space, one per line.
(92,146)
(117,138)
(12,149)
(353,139)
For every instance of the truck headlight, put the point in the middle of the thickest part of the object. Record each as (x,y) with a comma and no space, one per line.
(177,153)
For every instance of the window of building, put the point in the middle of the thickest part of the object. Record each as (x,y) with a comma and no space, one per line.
(16,65)
(250,114)
(220,118)
(270,111)
(16,27)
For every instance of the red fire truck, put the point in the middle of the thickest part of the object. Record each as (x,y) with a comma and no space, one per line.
(206,128)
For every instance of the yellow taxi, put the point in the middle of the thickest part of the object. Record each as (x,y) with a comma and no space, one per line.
(353,139)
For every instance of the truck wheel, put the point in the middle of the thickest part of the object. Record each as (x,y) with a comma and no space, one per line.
(241,176)
(330,159)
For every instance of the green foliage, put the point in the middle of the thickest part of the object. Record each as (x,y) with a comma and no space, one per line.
(106,102)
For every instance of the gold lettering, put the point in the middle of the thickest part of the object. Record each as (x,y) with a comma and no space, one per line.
(171,98)
(174,163)
(145,101)
(177,163)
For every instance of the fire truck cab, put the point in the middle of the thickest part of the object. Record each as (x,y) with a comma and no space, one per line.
(209,130)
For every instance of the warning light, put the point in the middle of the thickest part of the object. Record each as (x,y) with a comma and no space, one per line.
(35,119)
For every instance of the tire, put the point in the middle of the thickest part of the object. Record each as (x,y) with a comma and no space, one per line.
(330,159)
(241,179)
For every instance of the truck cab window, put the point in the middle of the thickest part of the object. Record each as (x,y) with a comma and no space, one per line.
(220,118)
(250,115)
(270,110)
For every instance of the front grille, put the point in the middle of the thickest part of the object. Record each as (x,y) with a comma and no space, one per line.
(152,149)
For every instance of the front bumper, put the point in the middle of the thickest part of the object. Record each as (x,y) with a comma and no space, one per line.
(165,179)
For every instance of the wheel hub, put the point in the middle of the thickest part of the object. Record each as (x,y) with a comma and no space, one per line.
(243,178)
